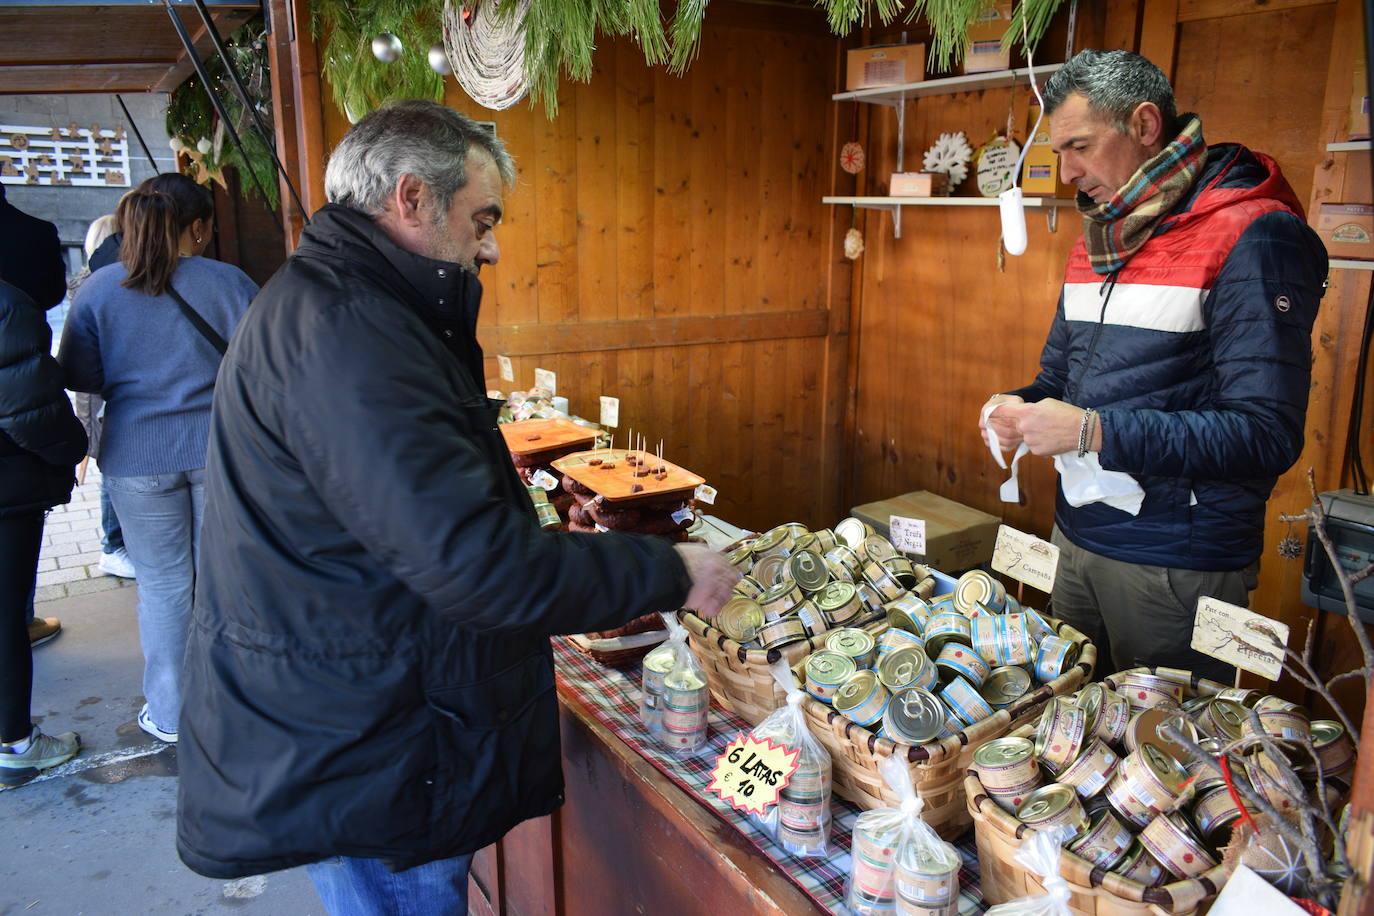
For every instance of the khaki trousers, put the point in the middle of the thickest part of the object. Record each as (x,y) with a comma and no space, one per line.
(1141,615)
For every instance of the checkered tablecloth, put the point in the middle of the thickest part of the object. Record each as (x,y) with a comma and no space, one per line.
(612,698)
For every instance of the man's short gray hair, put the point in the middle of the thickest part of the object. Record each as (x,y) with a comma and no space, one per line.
(1114,83)
(409,137)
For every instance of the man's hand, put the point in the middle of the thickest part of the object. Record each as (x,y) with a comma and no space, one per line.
(1008,434)
(1048,427)
(713,578)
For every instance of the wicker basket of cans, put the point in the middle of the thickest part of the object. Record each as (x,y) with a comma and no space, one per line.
(1110,782)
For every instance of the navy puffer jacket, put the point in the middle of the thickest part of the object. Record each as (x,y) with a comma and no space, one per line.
(40,438)
(1198,356)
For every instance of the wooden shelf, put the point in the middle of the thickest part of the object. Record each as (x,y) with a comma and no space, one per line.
(1354,146)
(1351,264)
(891,203)
(896,95)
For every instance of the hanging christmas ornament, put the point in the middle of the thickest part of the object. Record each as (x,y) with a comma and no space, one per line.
(176,144)
(1290,548)
(996,162)
(852,157)
(204,145)
(386,47)
(487,51)
(950,155)
(853,244)
(438,59)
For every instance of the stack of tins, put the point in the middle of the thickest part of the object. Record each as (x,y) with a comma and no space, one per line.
(893,666)
(1149,821)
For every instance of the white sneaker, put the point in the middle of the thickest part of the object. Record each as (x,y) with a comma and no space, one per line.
(145,722)
(117,564)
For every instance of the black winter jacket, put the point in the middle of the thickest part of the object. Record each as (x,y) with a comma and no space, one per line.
(31,255)
(369,671)
(41,440)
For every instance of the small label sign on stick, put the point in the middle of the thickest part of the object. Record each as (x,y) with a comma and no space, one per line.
(1240,637)
(1025,558)
(751,773)
(610,411)
(908,534)
(546,379)
(705,494)
(507,370)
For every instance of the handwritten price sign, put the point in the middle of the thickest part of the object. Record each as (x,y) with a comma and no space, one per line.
(751,773)
(1025,558)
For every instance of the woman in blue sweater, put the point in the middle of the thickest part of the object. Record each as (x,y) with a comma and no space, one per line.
(128,340)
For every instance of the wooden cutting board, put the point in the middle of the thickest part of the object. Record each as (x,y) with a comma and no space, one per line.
(615,478)
(528,437)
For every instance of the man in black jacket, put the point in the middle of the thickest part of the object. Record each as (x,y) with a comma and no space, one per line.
(31,255)
(369,684)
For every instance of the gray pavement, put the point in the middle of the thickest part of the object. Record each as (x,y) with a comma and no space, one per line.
(97,835)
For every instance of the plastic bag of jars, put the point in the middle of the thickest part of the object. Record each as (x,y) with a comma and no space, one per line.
(674,698)
(899,864)
(1040,854)
(800,821)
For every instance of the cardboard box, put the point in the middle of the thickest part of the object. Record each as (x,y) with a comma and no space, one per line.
(918,184)
(958,537)
(1347,230)
(1359,103)
(1040,170)
(985,40)
(885,65)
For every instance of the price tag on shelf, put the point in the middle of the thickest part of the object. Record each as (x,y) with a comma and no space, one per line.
(542,478)
(1240,637)
(610,411)
(546,379)
(507,370)
(908,534)
(751,773)
(1025,558)
(705,494)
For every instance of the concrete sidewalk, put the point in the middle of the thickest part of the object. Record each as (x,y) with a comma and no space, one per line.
(97,835)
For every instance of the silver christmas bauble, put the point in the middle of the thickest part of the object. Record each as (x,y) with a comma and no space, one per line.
(438,60)
(386,47)
(204,145)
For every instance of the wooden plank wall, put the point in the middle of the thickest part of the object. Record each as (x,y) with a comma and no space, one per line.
(666,245)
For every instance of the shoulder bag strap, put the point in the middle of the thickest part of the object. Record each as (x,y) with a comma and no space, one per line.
(200,323)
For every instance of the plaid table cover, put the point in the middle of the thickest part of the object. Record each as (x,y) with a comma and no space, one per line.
(612,697)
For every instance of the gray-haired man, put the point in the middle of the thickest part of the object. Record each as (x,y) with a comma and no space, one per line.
(369,682)
(1180,355)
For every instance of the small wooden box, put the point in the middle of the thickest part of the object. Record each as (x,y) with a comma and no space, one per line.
(918,184)
(1347,230)
(885,65)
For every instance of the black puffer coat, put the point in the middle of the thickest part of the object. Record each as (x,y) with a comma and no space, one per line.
(40,438)
(369,671)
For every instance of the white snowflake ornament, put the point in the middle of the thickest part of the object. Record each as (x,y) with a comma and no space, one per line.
(950,154)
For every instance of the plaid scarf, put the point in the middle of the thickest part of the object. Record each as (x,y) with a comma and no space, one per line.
(1114,230)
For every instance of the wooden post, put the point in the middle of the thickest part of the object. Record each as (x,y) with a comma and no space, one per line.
(297,118)
(1359,838)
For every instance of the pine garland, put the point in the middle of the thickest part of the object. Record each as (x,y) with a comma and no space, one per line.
(359,80)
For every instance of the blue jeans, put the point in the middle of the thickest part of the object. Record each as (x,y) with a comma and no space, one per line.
(161,517)
(363,887)
(113,539)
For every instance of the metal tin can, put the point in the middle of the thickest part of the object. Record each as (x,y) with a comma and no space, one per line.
(874,849)
(1170,840)
(978,587)
(942,629)
(1223,719)
(826,541)
(1146,724)
(878,548)
(811,617)
(740,619)
(1109,711)
(862,698)
(903,570)
(1060,734)
(782,632)
(1003,639)
(825,672)
(749,587)
(852,531)
(839,602)
(781,598)
(1245,696)
(1011,798)
(1005,686)
(1090,773)
(771,543)
(926,885)
(1215,812)
(892,640)
(1051,805)
(808,570)
(854,643)
(883,581)
(909,612)
(771,571)
(803,811)
(1006,763)
(1267,776)
(1146,783)
(1038,626)
(1056,656)
(1334,748)
(913,716)
(1203,777)
(964,701)
(956,660)
(838,571)
(1281,719)
(1105,841)
(657,664)
(742,557)
(847,558)
(1140,866)
(906,667)
(685,702)
(870,596)
(1145,690)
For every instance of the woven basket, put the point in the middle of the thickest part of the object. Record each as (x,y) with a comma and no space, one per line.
(1094,890)
(741,681)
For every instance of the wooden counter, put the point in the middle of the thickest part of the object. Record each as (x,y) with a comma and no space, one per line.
(628,840)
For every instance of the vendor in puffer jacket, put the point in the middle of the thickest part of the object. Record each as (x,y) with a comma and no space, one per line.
(1180,354)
